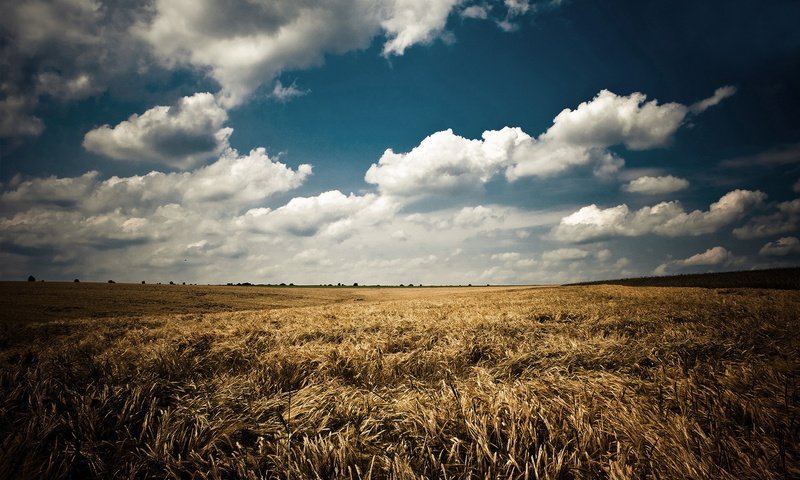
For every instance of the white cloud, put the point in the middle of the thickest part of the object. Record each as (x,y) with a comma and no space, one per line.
(610,119)
(330,214)
(415,22)
(564,254)
(666,219)
(781,247)
(179,136)
(477,216)
(245,44)
(656,185)
(720,94)
(399,235)
(284,94)
(582,136)
(506,256)
(231,183)
(445,163)
(785,220)
(478,12)
(711,257)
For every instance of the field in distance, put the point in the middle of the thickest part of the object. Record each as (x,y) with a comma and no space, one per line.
(163,381)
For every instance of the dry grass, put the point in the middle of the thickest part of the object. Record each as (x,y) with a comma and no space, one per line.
(563,382)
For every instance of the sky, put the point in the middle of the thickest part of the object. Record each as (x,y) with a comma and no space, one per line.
(397,141)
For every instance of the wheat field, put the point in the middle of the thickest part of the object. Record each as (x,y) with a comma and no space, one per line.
(581,382)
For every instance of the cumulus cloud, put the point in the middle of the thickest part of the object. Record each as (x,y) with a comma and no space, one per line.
(244,44)
(611,119)
(231,183)
(656,185)
(445,163)
(582,136)
(331,213)
(666,219)
(159,222)
(781,247)
(180,136)
(712,257)
(785,220)
(415,22)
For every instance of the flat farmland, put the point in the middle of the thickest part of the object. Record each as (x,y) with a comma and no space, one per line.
(178,381)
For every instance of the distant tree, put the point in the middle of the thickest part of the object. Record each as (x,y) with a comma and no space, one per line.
(111,281)
(184,283)
(171,282)
(283,284)
(142,282)
(31,278)
(355,284)
(76,281)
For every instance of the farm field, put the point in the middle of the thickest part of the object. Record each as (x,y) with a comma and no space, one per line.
(600,381)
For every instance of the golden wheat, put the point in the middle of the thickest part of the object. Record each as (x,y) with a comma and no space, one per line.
(528,383)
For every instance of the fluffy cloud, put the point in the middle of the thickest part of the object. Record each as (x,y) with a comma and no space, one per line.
(445,162)
(331,213)
(134,225)
(180,136)
(785,220)
(781,247)
(656,185)
(666,218)
(413,22)
(583,135)
(711,257)
(70,49)
(244,44)
(231,183)
(610,119)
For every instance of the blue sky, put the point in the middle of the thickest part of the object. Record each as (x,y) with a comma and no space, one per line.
(397,141)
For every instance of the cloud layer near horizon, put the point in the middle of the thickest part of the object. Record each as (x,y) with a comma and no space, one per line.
(207,220)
